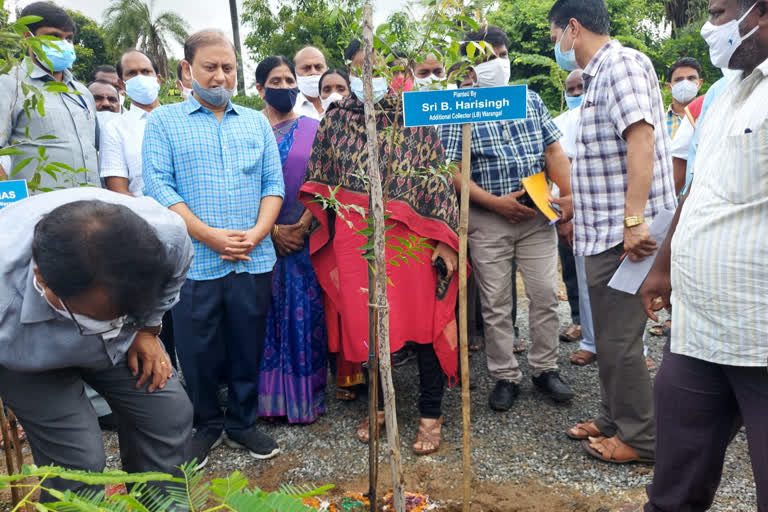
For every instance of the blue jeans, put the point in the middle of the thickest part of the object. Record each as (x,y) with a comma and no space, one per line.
(219,331)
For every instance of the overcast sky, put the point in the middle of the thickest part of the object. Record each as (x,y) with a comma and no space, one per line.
(200,14)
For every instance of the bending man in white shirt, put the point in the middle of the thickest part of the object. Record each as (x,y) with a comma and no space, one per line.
(120,149)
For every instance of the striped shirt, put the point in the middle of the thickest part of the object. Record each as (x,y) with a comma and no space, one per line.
(220,169)
(719,275)
(504,152)
(620,89)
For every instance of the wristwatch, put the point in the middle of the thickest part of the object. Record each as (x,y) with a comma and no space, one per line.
(154,330)
(635,220)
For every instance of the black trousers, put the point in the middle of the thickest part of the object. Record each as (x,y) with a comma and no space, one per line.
(431,382)
(699,408)
(219,329)
(568,264)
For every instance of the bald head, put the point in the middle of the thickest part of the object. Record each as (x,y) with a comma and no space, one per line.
(310,61)
(203,39)
(574,83)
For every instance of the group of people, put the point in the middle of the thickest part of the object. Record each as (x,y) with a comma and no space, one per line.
(232,239)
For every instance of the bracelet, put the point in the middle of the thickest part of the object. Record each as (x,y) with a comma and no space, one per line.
(275,229)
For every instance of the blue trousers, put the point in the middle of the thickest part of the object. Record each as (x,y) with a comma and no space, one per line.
(219,328)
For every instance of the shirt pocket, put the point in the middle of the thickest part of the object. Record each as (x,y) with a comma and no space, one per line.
(744,164)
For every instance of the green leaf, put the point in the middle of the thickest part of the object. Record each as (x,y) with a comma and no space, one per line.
(21,165)
(10,151)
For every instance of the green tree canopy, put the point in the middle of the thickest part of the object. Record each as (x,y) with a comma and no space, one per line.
(91,46)
(133,24)
(294,25)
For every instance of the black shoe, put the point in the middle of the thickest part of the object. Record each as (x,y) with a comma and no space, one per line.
(552,384)
(203,441)
(255,441)
(402,357)
(503,395)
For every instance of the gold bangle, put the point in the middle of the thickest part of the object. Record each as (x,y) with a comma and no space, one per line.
(275,229)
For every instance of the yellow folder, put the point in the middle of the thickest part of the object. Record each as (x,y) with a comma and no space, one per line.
(538,190)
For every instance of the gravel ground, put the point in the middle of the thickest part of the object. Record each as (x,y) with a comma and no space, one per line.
(523,447)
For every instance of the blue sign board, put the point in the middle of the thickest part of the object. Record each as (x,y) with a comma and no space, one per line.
(471,105)
(12,191)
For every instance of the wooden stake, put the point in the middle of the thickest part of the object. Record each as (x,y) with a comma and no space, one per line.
(373,391)
(15,492)
(466,155)
(379,246)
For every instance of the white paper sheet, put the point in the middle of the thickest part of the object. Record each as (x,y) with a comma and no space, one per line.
(630,275)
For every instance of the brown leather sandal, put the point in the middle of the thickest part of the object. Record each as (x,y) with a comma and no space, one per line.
(363,428)
(345,395)
(612,449)
(429,436)
(582,431)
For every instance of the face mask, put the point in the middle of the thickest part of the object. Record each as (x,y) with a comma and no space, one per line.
(61,54)
(400,84)
(566,60)
(573,102)
(282,100)
(333,97)
(684,91)
(380,87)
(309,85)
(107,329)
(216,96)
(494,73)
(426,82)
(725,39)
(142,89)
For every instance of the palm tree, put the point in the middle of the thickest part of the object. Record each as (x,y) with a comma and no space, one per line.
(238,48)
(131,24)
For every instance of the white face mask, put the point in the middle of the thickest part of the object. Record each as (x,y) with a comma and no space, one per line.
(684,91)
(725,39)
(333,97)
(107,329)
(493,73)
(309,85)
(429,82)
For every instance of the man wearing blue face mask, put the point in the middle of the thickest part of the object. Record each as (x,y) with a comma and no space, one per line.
(503,231)
(218,166)
(120,149)
(622,179)
(70,118)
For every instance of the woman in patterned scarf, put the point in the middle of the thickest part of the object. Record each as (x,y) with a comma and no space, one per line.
(422,204)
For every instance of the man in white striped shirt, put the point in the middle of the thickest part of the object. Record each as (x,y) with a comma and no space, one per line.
(713,267)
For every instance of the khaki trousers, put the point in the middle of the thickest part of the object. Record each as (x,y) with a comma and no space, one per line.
(626,398)
(496,245)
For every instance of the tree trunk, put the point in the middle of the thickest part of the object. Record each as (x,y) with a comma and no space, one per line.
(238,49)
(379,247)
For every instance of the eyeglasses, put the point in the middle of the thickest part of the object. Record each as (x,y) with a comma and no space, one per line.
(84,331)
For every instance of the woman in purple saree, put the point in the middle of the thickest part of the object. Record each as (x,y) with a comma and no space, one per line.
(292,375)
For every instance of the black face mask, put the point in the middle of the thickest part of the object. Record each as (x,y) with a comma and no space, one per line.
(281,100)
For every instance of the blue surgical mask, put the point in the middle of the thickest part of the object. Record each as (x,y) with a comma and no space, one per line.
(142,89)
(61,53)
(216,96)
(380,87)
(573,102)
(282,100)
(566,60)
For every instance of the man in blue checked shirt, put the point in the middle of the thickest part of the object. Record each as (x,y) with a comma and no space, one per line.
(502,231)
(217,165)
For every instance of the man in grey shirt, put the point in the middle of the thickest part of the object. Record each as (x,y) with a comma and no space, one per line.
(87,275)
(70,118)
